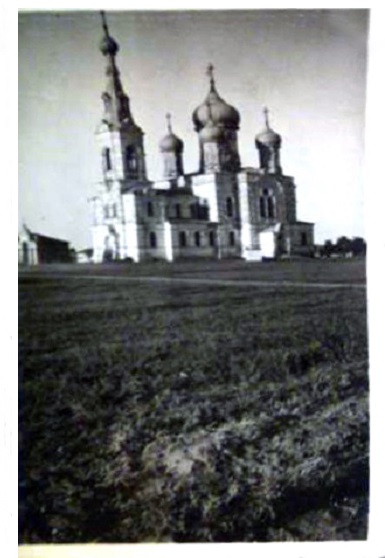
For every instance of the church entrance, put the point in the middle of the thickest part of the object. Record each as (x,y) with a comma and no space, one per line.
(111,246)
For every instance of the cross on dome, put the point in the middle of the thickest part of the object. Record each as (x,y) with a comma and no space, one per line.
(168,118)
(210,73)
(266,113)
(210,70)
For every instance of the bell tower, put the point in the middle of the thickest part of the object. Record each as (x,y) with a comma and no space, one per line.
(120,138)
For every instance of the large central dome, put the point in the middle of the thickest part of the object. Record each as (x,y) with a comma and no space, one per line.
(221,113)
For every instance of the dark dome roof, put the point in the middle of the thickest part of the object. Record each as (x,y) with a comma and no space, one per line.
(222,114)
(268,136)
(171,144)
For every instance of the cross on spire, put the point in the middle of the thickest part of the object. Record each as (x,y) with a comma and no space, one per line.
(168,118)
(210,73)
(266,113)
(210,70)
(104,23)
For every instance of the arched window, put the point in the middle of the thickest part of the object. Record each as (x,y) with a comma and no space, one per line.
(229,207)
(150,209)
(197,238)
(212,238)
(131,158)
(153,242)
(231,238)
(177,211)
(182,239)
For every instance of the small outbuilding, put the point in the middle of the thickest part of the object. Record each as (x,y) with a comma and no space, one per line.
(35,248)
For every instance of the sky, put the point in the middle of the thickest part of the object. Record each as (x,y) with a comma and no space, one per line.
(308,66)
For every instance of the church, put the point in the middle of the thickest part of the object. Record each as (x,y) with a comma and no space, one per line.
(223,210)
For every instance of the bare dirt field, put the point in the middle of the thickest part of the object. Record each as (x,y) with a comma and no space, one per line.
(196,401)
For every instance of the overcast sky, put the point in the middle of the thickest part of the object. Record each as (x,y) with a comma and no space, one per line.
(308,67)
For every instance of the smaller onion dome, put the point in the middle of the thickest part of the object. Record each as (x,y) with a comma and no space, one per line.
(170,143)
(268,136)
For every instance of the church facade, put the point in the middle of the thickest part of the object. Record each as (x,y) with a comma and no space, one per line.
(221,211)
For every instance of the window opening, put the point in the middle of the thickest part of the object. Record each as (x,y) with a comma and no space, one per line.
(182,239)
(153,242)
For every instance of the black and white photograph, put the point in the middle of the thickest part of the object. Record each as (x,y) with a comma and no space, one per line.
(193,324)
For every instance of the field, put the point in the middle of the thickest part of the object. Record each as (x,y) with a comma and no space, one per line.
(202,406)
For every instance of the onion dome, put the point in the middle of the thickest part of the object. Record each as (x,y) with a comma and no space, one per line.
(170,143)
(268,136)
(108,45)
(222,114)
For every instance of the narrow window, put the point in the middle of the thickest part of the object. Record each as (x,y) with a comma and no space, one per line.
(108,159)
(106,155)
(303,239)
(270,207)
(231,238)
(262,207)
(113,210)
(177,211)
(150,209)
(197,238)
(131,158)
(153,242)
(229,207)
(193,210)
(106,211)
(212,238)
(182,239)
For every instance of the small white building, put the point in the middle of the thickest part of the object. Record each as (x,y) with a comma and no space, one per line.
(221,211)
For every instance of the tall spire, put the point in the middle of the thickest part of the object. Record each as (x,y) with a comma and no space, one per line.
(104,23)
(116,102)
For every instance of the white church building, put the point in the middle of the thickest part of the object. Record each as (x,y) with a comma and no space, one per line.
(221,211)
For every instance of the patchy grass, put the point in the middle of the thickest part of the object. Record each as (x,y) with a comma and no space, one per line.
(155,412)
(311,270)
